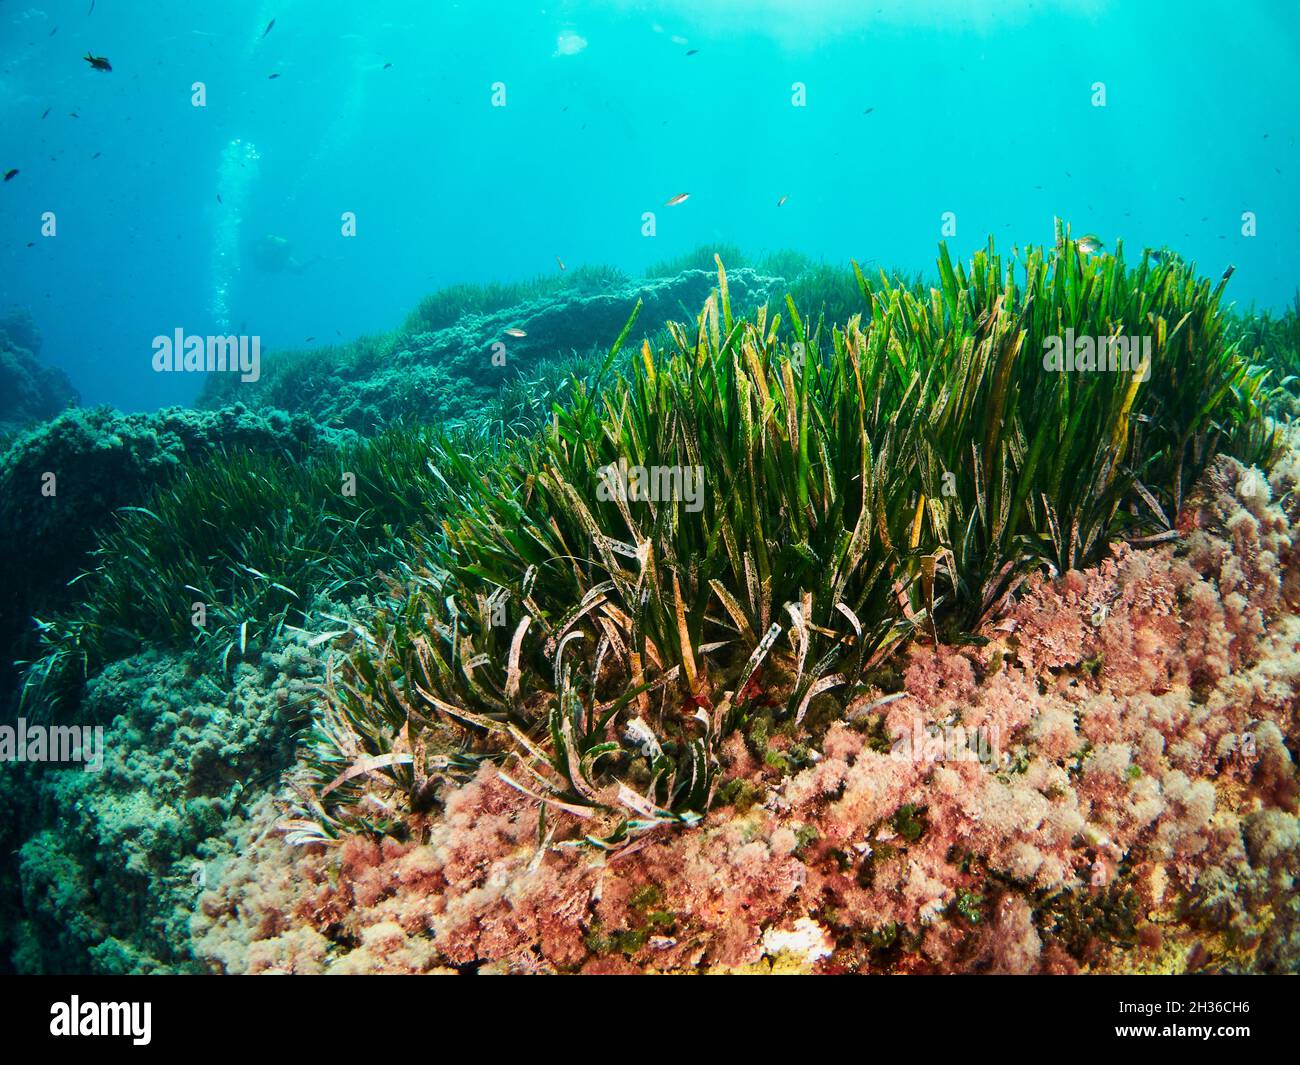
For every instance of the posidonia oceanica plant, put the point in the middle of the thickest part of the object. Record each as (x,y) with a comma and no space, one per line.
(755,514)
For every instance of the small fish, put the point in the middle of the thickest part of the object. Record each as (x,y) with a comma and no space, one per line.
(92,9)
(560,263)
(47,113)
(387,65)
(272,77)
(781,201)
(1089,244)
(98,62)
(693,51)
(269,27)
(517,333)
(10,174)
(73,114)
(868,110)
(309,339)
(96,155)
(681,197)
(218,197)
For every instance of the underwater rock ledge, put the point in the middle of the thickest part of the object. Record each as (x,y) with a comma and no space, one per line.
(1144,821)
(448,372)
(30,389)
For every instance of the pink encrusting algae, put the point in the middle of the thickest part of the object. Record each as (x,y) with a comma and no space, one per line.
(1133,809)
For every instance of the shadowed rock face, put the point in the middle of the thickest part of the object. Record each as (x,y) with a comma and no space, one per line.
(30,391)
(449,373)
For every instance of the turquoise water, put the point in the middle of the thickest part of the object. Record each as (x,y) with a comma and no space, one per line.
(871,120)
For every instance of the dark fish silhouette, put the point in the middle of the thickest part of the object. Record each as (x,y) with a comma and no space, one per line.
(47,113)
(272,77)
(10,174)
(269,27)
(99,62)
(693,51)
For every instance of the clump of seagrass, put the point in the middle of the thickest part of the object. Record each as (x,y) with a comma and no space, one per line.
(1273,340)
(897,473)
(253,540)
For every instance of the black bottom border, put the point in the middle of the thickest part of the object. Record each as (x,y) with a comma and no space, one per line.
(1061,1016)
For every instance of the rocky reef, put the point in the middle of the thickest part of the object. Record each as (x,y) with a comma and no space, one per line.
(958,666)
(442,371)
(107,864)
(1141,815)
(30,389)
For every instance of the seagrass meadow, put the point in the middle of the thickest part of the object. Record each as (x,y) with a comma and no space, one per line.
(871,483)
(839,625)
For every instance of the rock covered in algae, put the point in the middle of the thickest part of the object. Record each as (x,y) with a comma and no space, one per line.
(454,370)
(1140,814)
(31,390)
